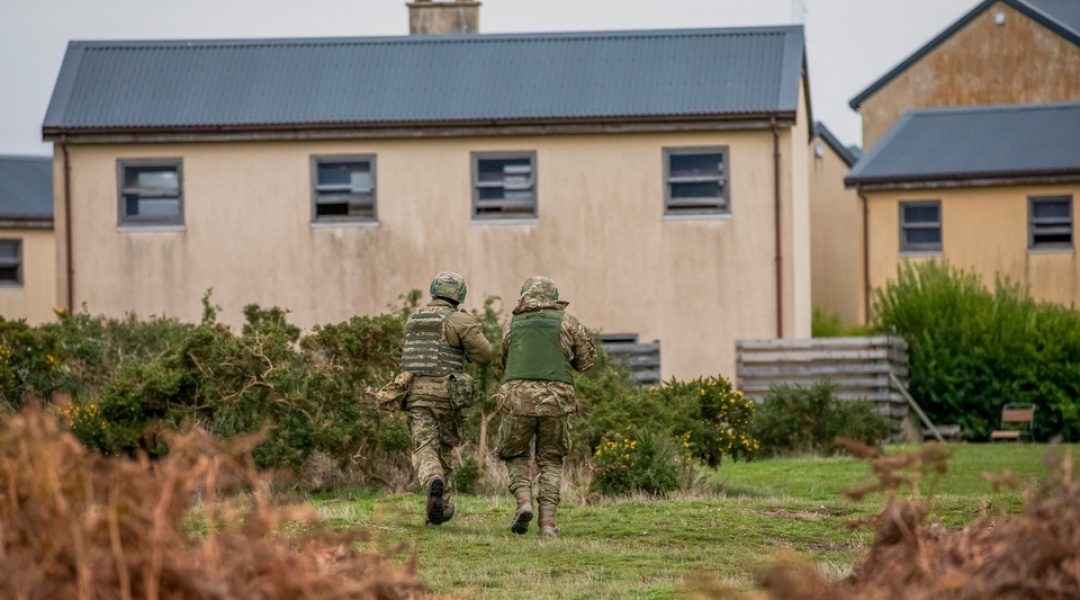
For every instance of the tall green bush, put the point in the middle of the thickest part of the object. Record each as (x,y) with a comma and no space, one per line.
(972,349)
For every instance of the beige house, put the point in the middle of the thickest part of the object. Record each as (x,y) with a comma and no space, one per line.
(27,245)
(988,188)
(836,241)
(659,177)
(979,199)
(1000,52)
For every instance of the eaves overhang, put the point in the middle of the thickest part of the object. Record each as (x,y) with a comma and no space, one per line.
(415,129)
(962,180)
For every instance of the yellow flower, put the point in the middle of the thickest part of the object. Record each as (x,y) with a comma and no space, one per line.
(702,391)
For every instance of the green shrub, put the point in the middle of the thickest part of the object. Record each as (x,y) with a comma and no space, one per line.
(77,354)
(796,420)
(825,324)
(466,476)
(637,462)
(972,349)
(715,415)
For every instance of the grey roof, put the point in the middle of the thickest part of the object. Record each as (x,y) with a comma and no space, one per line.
(427,79)
(981,142)
(845,153)
(26,187)
(1060,16)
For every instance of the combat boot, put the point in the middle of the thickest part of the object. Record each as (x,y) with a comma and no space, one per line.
(434,512)
(522,516)
(448,511)
(548,528)
(547,521)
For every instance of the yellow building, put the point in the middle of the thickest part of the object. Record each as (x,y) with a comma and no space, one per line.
(987,188)
(836,239)
(1000,52)
(659,177)
(27,247)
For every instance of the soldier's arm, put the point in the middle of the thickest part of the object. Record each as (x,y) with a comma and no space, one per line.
(505,342)
(463,331)
(582,350)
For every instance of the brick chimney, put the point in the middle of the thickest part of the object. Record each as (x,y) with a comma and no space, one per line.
(431,17)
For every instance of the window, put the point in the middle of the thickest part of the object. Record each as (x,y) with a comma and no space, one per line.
(504,185)
(343,188)
(151,192)
(10,262)
(920,226)
(696,181)
(1050,223)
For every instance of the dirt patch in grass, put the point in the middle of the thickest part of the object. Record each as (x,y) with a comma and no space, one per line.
(808,515)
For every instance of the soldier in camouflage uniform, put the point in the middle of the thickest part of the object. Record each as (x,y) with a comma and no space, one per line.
(438,340)
(542,346)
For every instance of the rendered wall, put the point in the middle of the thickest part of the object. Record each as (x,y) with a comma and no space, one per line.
(696,284)
(985,229)
(836,237)
(36,298)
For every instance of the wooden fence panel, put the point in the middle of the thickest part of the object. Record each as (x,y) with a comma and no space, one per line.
(643,359)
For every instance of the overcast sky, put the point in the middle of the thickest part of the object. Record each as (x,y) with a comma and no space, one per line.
(850,43)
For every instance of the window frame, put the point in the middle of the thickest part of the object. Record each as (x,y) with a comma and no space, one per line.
(318,159)
(724,209)
(18,262)
(475,158)
(122,218)
(920,248)
(1050,246)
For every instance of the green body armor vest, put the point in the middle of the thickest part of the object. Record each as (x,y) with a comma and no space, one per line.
(535,350)
(427,352)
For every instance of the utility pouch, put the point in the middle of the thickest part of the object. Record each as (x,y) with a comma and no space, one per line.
(391,396)
(462,391)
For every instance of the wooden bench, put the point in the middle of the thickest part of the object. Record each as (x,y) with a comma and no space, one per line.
(1017,419)
(951,433)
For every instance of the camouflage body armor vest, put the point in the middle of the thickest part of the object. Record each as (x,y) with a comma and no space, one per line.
(535,348)
(427,351)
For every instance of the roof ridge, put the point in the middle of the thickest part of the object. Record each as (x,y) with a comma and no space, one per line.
(440,39)
(987,108)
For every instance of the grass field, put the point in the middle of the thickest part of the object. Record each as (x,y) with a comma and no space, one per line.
(647,548)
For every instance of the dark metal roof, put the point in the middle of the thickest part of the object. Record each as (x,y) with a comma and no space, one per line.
(845,153)
(427,79)
(975,143)
(1060,16)
(26,190)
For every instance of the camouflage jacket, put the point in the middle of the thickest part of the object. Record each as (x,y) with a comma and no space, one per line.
(546,398)
(462,330)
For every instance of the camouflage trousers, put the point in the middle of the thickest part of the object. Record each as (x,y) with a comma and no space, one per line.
(433,426)
(548,439)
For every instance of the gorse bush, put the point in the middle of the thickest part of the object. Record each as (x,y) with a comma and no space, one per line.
(972,349)
(131,380)
(77,354)
(797,420)
(715,416)
(636,462)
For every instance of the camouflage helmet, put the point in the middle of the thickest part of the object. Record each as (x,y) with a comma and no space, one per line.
(448,285)
(540,287)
